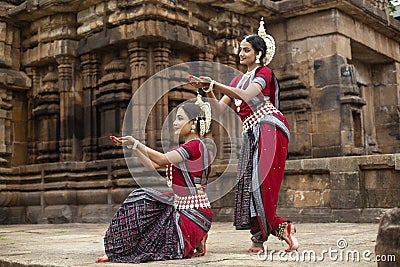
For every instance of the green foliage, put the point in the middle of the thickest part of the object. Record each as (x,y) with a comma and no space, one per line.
(392,5)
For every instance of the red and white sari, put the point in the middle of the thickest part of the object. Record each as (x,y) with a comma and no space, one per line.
(152,225)
(263,155)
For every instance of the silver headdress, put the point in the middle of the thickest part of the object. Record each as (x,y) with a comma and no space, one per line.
(269,41)
(204,117)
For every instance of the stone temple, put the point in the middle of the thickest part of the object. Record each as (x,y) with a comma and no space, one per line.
(69,68)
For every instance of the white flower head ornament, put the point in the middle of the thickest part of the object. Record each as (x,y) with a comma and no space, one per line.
(204,117)
(269,42)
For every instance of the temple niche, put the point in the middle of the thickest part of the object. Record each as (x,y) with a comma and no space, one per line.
(69,69)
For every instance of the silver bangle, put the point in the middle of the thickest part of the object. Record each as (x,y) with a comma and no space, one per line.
(134,146)
(211,87)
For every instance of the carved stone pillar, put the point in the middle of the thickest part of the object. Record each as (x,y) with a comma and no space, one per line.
(70,113)
(213,72)
(209,55)
(34,74)
(46,115)
(112,98)
(5,127)
(138,61)
(352,133)
(161,54)
(229,142)
(90,66)
(371,143)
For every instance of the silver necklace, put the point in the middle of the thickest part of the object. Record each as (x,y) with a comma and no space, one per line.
(168,173)
(242,82)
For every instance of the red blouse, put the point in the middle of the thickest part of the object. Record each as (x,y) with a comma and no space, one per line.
(270,91)
(193,155)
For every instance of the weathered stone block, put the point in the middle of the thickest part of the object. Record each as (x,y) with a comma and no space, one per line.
(9,199)
(95,213)
(60,197)
(346,215)
(277,30)
(397,162)
(325,139)
(298,51)
(326,198)
(344,164)
(388,239)
(300,144)
(3,31)
(12,215)
(316,214)
(292,214)
(92,197)
(34,214)
(371,179)
(308,182)
(388,179)
(328,45)
(345,180)
(389,96)
(384,198)
(321,23)
(346,199)
(223,214)
(320,181)
(307,199)
(318,165)
(297,182)
(30,198)
(286,198)
(373,215)
(327,71)
(323,152)
(327,120)
(60,214)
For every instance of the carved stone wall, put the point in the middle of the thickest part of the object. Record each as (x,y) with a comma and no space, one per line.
(328,71)
(68,70)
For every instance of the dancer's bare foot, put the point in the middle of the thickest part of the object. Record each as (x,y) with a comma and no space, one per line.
(201,247)
(289,235)
(256,247)
(103,259)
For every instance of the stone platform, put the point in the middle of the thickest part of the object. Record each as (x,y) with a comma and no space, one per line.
(62,245)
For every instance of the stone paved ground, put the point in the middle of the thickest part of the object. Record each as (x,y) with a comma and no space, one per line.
(80,244)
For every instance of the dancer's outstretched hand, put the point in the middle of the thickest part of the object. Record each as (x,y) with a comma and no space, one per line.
(199,82)
(122,141)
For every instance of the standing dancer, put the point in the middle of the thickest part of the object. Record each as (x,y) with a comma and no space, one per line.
(255,98)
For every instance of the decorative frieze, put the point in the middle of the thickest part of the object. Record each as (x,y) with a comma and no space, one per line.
(112,98)
(161,59)
(5,127)
(34,74)
(91,73)
(138,62)
(70,110)
(46,117)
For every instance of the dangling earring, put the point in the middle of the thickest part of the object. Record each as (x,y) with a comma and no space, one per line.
(258,58)
(193,128)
